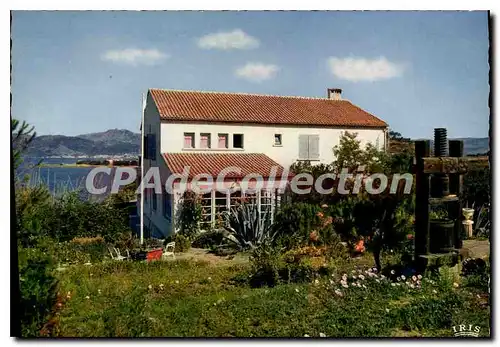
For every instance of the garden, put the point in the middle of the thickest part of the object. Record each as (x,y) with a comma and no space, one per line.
(322,266)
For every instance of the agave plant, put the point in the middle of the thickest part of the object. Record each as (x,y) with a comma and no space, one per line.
(247,227)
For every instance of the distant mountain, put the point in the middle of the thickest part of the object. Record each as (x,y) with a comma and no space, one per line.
(476,145)
(110,142)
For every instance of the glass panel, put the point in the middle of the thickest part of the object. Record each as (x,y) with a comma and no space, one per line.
(205,140)
(188,140)
(222,141)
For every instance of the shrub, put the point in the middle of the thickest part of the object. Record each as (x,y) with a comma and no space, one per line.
(182,243)
(294,222)
(37,290)
(189,214)
(208,239)
(247,227)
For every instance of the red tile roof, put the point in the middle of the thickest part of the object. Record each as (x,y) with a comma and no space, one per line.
(214,163)
(195,106)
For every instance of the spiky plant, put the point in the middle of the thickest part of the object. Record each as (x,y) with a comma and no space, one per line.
(247,228)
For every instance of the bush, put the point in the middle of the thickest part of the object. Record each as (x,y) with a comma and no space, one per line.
(189,214)
(294,223)
(209,239)
(182,243)
(37,290)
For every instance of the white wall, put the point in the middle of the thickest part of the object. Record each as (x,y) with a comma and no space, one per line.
(260,139)
(157,218)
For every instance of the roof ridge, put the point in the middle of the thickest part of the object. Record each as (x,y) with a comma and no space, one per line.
(250,94)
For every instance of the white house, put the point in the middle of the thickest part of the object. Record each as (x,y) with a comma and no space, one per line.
(210,131)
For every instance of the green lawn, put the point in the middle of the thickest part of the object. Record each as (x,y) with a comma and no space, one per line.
(187,298)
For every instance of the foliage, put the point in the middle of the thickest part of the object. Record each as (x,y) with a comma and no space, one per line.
(349,155)
(66,217)
(247,227)
(189,214)
(194,299)
(182,242)
(208,239)
(476,273)
(22,135)
(38,290)
(476,187)
(294,222)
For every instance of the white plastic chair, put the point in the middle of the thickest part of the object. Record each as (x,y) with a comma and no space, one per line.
(117,255)
(169,250)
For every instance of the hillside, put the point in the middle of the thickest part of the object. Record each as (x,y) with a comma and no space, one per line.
(472,145)
(110,142)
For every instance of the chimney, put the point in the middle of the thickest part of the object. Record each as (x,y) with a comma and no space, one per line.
(334,93)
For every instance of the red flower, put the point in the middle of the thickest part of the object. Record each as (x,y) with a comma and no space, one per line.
(409,236)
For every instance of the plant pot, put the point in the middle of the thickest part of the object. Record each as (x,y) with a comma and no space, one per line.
(441,235)
(468,213)
(154,254)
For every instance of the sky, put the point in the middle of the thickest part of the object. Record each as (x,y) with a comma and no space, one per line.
(80,72)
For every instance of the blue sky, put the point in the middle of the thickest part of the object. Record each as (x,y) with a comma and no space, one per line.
(80,72)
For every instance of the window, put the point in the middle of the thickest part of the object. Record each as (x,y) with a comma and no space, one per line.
(308,147)
(277,140)
(237,140)
(152,146)
(222,143)
(167,209)
(153,197)
(205,140)
(188,140)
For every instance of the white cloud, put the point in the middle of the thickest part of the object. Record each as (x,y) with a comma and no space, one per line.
(134,56)
(257,72)
(236,39)
(362,69)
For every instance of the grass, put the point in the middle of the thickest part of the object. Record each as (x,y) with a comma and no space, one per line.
(191,299)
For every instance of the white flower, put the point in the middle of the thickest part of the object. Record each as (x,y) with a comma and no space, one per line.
(419,277)
(393,284)
(414,278)
(150,286)
(434,291)
(87,297)
(361,277)
(176,282)
(393,272)
(338,292)
(99,291)
(398,284)
(378,281)
(364,286)
(387,310)
(305,335)
(412,286)
(353,271)
(297,290)
(398,279)
(455,284)
(316,281)
(322,335)
(403,277)
(370,269)
(354,277)
(210,278)
(345,285)
(331,282)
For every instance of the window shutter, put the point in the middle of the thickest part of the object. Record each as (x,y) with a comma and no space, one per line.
(152,146)
(146,147)
(313,146)
(303,147)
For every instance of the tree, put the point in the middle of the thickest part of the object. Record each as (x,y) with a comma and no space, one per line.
(22,135)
